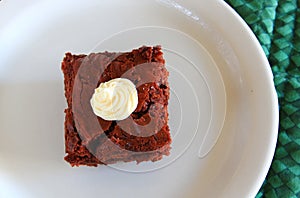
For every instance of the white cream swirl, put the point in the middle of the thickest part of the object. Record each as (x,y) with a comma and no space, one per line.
(115,99)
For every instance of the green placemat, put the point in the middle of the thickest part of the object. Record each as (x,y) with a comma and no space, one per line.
(276,23)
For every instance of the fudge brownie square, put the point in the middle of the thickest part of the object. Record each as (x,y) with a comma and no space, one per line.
(144,135)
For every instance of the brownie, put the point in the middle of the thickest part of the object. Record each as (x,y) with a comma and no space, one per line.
(144,135)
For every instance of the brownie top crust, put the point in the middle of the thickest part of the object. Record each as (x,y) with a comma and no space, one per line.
(145,130)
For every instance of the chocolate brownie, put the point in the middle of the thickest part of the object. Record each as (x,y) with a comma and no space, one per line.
(144,135)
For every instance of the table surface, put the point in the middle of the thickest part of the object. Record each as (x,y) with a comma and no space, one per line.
(276,24)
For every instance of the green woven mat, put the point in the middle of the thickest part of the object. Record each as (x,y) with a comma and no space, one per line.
(276,23)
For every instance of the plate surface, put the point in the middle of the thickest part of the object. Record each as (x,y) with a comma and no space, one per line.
(223,106)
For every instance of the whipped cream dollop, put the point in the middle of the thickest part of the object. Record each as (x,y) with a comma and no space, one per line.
(115,99)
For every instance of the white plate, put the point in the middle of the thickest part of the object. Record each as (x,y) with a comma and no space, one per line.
(223,107)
